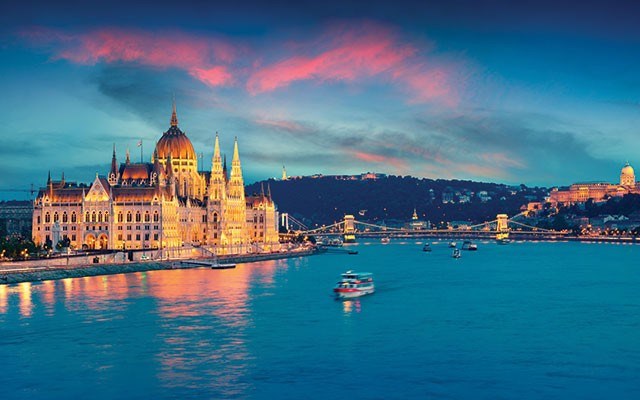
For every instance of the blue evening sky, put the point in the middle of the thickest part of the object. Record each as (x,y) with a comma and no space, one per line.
(540,93)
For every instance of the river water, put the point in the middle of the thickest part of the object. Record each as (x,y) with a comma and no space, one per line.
(523,321)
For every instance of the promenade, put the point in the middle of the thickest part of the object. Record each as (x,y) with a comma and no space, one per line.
(62,268)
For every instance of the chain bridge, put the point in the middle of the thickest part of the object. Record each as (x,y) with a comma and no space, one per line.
(501,228)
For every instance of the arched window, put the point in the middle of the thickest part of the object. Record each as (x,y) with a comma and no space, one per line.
(64,217)
(38,219)
(120,217)
(261,218)
(47,218)
(129,217)
(73,216)
(156,217)
(86,217)
(138,216)
(106,216)
(55,217)
(100,216)
(147,217)
(93,216)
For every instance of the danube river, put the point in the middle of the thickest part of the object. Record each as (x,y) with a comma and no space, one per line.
(522,321)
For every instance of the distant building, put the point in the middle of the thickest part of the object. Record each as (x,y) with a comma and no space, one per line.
(483,196)
(597,191)
(416,223)
(15,217)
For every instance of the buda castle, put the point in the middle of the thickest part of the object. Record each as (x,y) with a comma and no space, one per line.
(167,203)
(597,191)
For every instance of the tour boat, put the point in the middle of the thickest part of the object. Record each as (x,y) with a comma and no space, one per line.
(330,242)
(467,245)
(426,247)
(456,253)
(217,265)
(453,244)
(354,284)
(385,240)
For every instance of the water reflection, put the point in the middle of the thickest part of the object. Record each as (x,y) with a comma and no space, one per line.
(204,316)
(3,298)
(26,304)
(350,306)
(195,322)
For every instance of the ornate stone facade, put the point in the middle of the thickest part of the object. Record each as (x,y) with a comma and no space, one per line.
(598,191)
(165,204)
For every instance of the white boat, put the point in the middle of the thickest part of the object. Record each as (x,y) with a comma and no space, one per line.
(456,253)
(453,244)
(385,240)
(354,284)
(467,245)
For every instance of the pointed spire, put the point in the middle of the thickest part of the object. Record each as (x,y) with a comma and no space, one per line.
(216,147)
(174,115)
(114,162)
(269,191)
(262,189)
(128,160)
(62,179)
(236,154)
(49,178)
(169,166)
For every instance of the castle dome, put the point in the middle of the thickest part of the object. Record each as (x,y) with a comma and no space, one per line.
(174,142)
(627,170)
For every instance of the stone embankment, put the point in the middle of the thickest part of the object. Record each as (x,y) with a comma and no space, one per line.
(50,269)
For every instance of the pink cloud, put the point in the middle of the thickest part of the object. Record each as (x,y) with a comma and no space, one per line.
(381,159)
(289,126)
(200,57)
(359,51)
(344,56)
(353,51)
(501,160)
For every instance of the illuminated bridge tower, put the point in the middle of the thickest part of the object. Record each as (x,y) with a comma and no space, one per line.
(502,228)
(349,230)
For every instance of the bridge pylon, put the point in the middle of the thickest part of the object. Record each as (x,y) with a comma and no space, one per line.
(349,229)
(502,227)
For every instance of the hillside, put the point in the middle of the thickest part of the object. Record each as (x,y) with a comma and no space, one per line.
(391,199)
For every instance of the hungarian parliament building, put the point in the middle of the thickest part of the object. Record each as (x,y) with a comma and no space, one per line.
(164,204)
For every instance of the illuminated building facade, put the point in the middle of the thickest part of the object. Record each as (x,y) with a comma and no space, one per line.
(167,203)
(598,191)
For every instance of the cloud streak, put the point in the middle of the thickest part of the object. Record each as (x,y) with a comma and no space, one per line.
(205,59)
(362,52)
(356,52)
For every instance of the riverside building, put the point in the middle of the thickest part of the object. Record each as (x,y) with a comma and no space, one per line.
(166,204)
(597,191)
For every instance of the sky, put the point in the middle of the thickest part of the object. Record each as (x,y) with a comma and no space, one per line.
(537,93)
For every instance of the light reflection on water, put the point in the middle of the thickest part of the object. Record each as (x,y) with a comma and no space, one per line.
(499,322)
(195,322)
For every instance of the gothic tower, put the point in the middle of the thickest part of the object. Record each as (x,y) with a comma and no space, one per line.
(216,199)
(236,207)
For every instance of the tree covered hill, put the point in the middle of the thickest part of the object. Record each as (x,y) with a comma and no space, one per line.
(392,199)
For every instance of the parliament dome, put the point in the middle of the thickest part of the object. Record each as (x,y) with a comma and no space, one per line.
(174,142)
